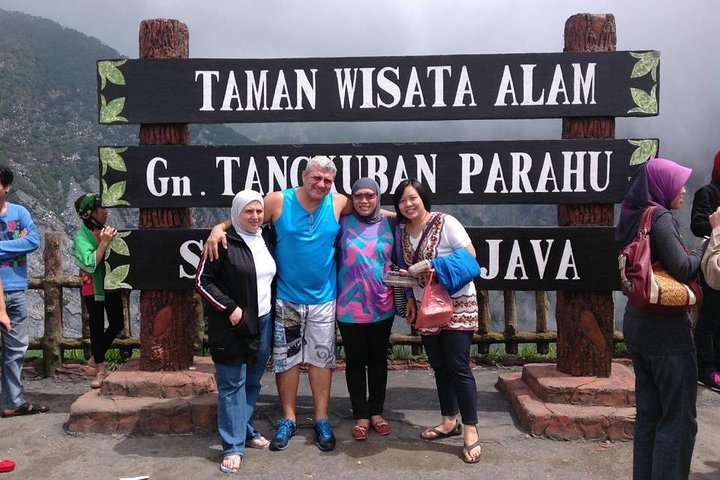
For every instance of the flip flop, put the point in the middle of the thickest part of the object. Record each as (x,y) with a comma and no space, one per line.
(457,430)
(7,466)
(229,470)
(257,442)
(467,452)
(27,409)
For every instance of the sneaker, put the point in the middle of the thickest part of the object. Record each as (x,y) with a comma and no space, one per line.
(710,380)
(286,429)
(324,438)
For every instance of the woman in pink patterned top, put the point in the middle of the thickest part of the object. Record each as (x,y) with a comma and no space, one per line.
(365,309)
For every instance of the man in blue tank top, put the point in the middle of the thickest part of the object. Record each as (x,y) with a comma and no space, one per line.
(306,221)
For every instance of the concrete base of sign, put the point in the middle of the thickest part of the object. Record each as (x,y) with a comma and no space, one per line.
(131,401)
(559,406)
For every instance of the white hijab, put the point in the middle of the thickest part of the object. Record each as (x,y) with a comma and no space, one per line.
(242,198)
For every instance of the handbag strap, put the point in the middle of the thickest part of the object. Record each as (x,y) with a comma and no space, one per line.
(434,220)
(397,240)
(645,221)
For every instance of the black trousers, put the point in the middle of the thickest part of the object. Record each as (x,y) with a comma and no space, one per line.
(366,350)
(449,355)
(707,332)
(100,338)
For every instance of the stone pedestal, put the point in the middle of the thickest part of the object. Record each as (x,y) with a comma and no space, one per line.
(562,407)
(131,401)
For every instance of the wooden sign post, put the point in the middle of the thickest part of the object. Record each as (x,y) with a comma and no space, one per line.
(166,316)
(585,320)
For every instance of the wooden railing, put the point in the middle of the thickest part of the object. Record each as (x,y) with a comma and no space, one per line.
(54,281)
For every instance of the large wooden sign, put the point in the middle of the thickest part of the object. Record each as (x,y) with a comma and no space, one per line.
(453,87)
(519,172)
(517,258)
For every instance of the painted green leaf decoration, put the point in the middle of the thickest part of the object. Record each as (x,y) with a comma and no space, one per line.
(110,157)
(646,102)
(647,63)
(110,112)
(646,149)
(109,72)
(119,246)
(114,278)
(112,195)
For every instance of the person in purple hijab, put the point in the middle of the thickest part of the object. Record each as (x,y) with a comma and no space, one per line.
(661,346)
(652,185)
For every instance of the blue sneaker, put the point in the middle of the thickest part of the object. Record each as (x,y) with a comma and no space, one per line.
(324,438)
(286,429)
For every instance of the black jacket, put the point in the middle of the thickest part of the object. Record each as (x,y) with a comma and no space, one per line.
(705,202)
(230,281)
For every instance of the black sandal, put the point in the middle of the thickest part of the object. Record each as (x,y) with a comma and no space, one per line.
(27,409)
(457,430)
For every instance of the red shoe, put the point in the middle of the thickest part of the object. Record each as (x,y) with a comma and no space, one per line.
(7,466)
(382,427)
(359,432)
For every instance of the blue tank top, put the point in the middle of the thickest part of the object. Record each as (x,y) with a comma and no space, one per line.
(305,251)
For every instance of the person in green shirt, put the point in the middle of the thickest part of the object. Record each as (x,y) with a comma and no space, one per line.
(89,247)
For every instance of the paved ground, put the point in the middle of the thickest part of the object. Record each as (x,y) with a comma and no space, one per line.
(43,451)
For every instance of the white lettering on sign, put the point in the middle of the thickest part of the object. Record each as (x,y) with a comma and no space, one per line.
(518,173)
(517,262)
(383,88)
(576,166)
(242,174)
(190,252)
(583,87)
(252,94)
(158,186)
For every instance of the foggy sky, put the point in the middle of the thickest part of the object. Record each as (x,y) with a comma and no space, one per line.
(689,74)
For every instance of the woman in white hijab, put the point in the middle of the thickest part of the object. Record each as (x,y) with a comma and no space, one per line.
(238,288)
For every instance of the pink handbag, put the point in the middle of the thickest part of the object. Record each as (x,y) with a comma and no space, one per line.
(436,307)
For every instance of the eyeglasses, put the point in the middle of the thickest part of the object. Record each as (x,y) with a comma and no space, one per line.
(364,196)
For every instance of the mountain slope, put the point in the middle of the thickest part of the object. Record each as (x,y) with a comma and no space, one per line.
(49,136)
(48,110)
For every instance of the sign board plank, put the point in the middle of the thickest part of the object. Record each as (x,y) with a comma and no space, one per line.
(494,172)
(451,87)
(512,258)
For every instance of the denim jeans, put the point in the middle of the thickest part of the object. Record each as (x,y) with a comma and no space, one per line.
(14,345)
(231,407)
(449,356)
(665,424)
(255,371)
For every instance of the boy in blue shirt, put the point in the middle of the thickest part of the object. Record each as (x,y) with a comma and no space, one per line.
(18,237)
